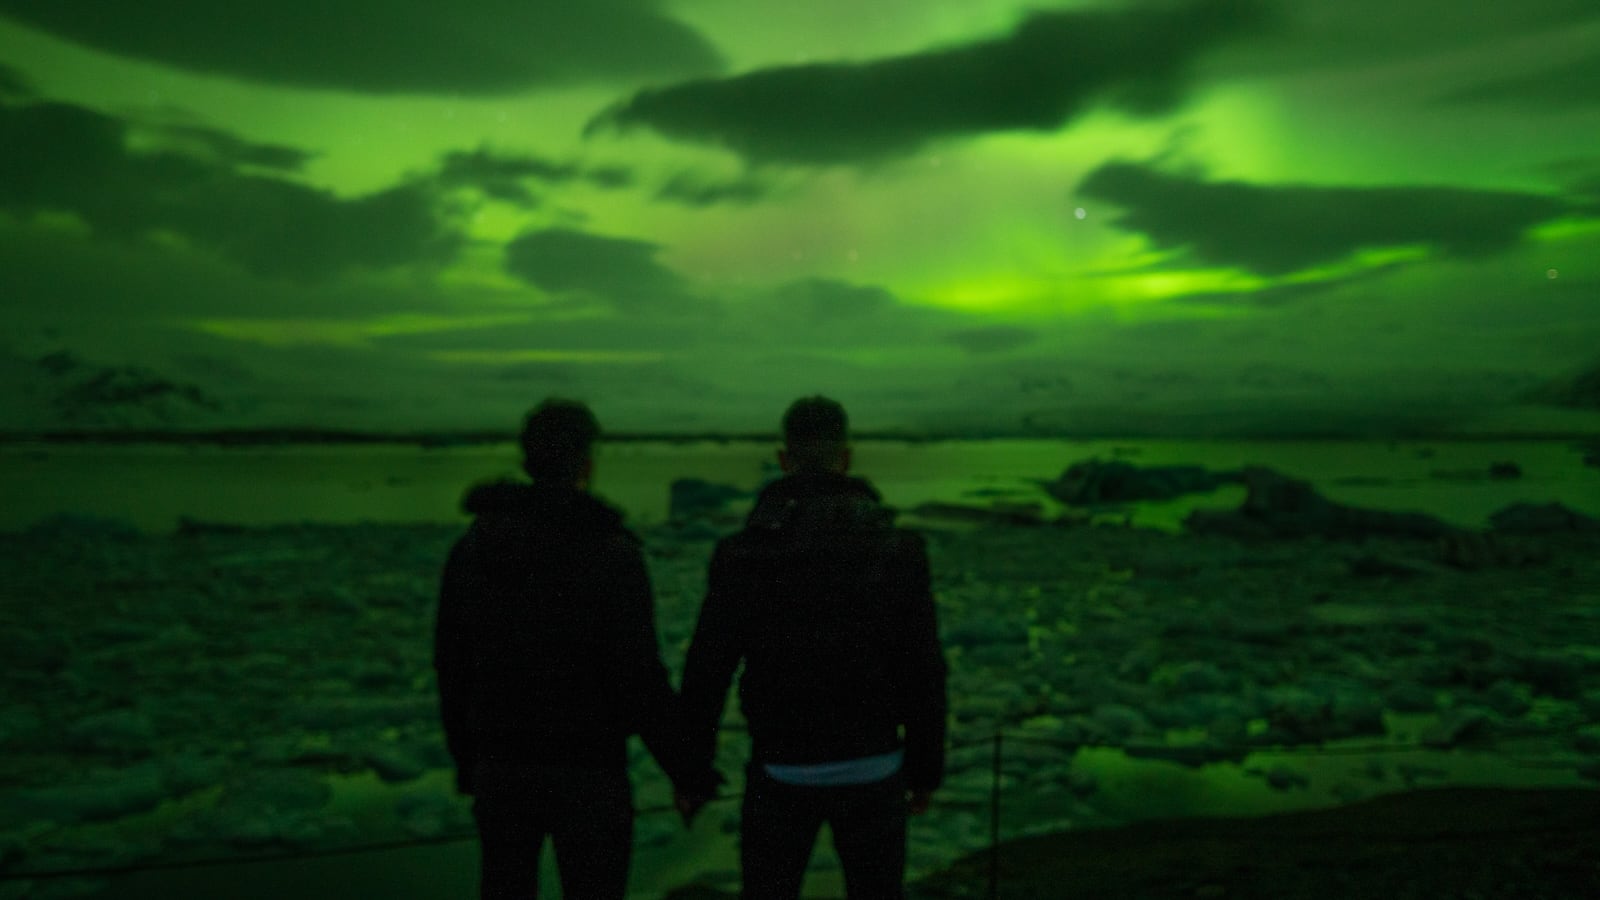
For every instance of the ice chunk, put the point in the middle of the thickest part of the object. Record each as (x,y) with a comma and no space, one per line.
(394,764)
(1458,726)
(432,813)
(122,731)
(103,795)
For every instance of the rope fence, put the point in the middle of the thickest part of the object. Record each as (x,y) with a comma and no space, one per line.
(996,743)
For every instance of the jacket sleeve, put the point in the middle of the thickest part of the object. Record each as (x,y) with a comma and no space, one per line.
(646,688)
(714,655)
(453,662)
(921,670)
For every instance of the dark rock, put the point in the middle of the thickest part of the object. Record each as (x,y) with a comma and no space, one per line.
(1191,755)
(69,526)
(1508,698)
(994,514)
(1094,482)
(1472,551)
(1587,739)
(1553,674)
(394,765)
(1283,778)
(977,632)
(689,498)
(1191,677)
(1114,723)
(1458,726)
(1374,565)
(1281,507)
(1411,697)
(1504,470)
(1542,518)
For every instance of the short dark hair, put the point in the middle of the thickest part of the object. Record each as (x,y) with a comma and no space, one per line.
(815,432)
(557,437)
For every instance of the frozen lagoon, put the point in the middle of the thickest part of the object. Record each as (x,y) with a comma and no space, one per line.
(226,690)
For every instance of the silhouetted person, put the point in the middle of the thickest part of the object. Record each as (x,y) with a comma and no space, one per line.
(830,608)
(546,654)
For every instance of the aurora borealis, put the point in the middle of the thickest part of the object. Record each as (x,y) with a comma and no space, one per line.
(972,216)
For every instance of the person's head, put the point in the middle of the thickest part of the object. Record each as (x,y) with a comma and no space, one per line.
(558,442)
(816,436)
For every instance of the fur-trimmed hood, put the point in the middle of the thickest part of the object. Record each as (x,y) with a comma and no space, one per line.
(815,508)
(548,511)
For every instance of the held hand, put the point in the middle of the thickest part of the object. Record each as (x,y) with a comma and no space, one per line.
(917,802)
(689,805)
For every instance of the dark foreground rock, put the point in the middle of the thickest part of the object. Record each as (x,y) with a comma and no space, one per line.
(1095,481)
(1542,518)
(1458,842)
(1277,506)
(690,498)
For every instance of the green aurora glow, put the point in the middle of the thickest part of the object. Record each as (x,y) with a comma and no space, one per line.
(1200,217)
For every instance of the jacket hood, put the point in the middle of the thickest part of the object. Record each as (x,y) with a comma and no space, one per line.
(556,509)
(813,507)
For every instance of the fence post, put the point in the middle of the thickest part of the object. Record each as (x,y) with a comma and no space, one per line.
(994,822)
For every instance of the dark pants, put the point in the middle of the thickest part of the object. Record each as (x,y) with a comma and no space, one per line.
(780,825)
(587,813)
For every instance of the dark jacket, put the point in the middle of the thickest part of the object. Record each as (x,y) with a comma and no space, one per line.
(831,610)
(545,644)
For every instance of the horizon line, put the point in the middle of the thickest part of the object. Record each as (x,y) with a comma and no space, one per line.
(281,435)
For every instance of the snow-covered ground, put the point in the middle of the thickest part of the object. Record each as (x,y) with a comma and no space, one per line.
(225,690)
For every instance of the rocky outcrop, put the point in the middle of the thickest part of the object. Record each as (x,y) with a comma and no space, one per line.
(1542,518)
(992,514)
(1277,506)
(1094,481)
(693,498)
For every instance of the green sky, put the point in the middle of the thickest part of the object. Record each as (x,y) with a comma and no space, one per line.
(1203,217)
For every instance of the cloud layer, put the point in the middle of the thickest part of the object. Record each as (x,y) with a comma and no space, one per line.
(1054,67)
(505,176)
(1571,85)
(66,158)
(387,46)
(1279,229)
(619,271)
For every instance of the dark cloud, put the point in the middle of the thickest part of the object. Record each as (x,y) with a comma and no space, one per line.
(65,158)
(1578,390)
(620,271)
(388,46)
(830,314)
(1289,292)
(827,300)
(614,177)
(691,189)
(226,149)
(1275,230)
(1572,85)
(1317,34)
(506,176)
(14,84)
(1577,177)
(1052,68)
(1280,378)
(992,338)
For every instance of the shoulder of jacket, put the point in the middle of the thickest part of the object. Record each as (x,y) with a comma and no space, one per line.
(620,541)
